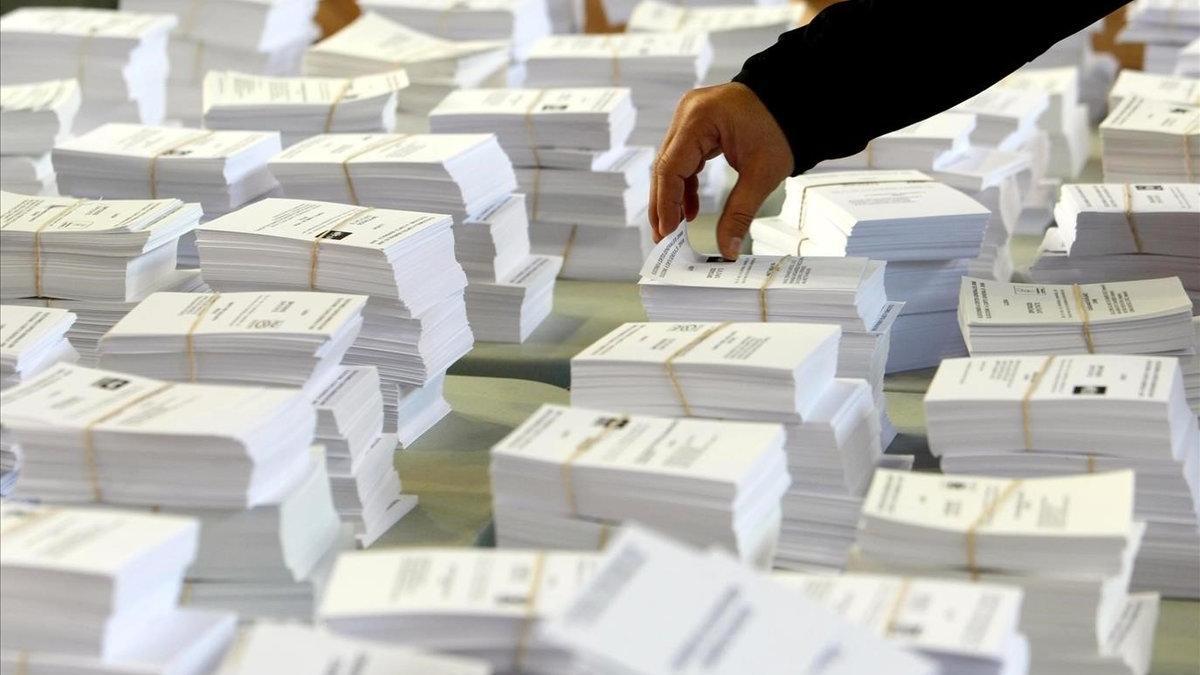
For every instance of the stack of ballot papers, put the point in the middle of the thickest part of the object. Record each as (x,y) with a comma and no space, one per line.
(299,107)
(1144,140)
(254,36)
(373,44)
(119,59)
(415,322)
(1187,63)
(1164,27)
(483,603)
(736,32)
(1068,542)
(1097,70)
(94,591)
(519,22)
(33,117)
(221,170)
(1066,119)
(929,144)
(566,477)
(708,614)
(274,338)
(366,489)
(106,250)
(619,12)
(657,67)
(1070,414)
(268,647)
(1005,118)
(1148,316)
(595,253)
(1168,88)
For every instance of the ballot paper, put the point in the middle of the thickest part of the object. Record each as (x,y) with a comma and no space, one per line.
(31,340)
(1106,219)
(1127,648)
(106,250)
(1126,317)
(84,436)
(709,614)
(486,604)
(520,22)
(612,194)
(1161,23)
(242,24)
(1005,118)
(566,473)
(267,647)
(299,107)
(1166,88)
(37,115)
(1066,119)
(1145,140)
(118,58)
(930,144)
(595,252)
(510,310)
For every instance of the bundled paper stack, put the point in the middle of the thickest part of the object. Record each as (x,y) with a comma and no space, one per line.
(118,58)
(366,488)
(415,322)
(221,170)
(657,67)
(253,36)
(1065,120)
(299,107)
(1031,416)
(1068,542)
(927,616)
(372,44)
(1188,62)
(111,251)
(482,603)
(832,425)
(304,650)
(927,231)
(1164,27)
(465,175)
(519,22)
(33,117)
(586,190)
(619,12)
(1111,232)
(932,143)
(736,32)
(709,614)
(1097,70)
(1151,141)
(94,590)
(1005,118)
(567,477)
(1168,88)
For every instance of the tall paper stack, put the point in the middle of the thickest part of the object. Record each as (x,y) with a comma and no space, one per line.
(372,44)
(1167,88)
(1065,120)
(1164,27)
(33,117)
(1097,70)
(118,58)
(264,37)
(94,591)
(1151,141)
(932,143)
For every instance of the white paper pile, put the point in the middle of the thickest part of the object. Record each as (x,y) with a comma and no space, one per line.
(118,58)
(657,67)
(255,36)
(482,603)
(415,323)
(33,117)
(274,338)
(1030,416)
(1005,118)
(94,591)
(1097,70)
(1151,141)
(1065,120)
(1069,542)
(932,143)
(566,477)
(1167,88)
(1188,62)
(709,614)
(299,107)
(221,170)
(372,44)
(1164,27)
(619,12)
(519,22)
(106,250)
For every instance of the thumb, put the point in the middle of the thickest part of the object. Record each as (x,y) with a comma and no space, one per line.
(747,196)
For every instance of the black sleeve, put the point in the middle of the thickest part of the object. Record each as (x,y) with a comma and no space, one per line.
(863,68)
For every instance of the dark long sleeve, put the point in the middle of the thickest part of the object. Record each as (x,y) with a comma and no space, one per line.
(863,68)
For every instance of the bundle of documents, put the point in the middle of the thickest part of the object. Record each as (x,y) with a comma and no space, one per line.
(275,338)
(1082,413)
(736,32)
(595,252)
(657,67)
(708,614)
(106,250)
(566,477)
(1005,118)
(415,322)
(1164,27)
(929,144)
(1167,88)
(299,107)
(1127,317)
(94,590)
(372,44)
(118,58)
(511,308)
(1066,119)
(519,22)
(33,117)
(1144,140)
(269,647)
(487,604)
(1067,541)
(1187,62)
(31,340)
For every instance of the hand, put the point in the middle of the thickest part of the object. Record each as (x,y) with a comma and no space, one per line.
(726,119)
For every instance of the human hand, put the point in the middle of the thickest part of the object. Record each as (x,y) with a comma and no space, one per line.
(726,119)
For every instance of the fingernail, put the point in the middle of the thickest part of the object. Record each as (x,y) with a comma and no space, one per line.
(733,248)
